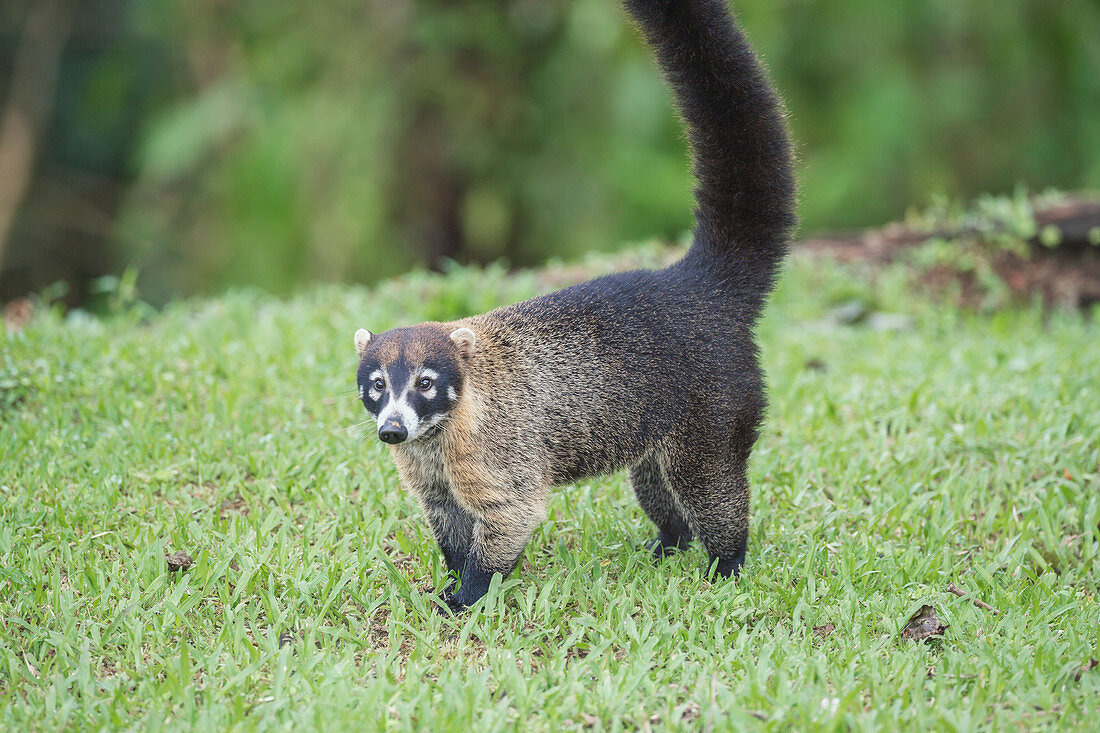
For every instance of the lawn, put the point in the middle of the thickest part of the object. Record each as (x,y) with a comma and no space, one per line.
(910,449)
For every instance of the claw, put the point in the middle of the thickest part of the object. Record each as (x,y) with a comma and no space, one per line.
(452,605)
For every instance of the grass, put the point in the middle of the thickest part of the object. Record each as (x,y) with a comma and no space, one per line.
(947,447)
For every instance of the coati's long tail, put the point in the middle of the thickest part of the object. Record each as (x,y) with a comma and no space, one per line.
(745,193)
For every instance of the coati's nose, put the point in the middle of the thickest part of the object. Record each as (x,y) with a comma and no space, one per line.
(393,432)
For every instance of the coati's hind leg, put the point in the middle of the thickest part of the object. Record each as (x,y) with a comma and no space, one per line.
(651,487)
(711,484)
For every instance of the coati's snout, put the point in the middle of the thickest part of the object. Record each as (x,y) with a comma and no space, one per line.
(393,432)
(411,378)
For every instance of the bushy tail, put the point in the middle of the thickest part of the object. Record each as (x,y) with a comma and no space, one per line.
(745,192)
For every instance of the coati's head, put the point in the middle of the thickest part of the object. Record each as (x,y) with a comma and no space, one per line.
(411,378)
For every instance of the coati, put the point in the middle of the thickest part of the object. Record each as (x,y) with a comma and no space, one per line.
(653,371)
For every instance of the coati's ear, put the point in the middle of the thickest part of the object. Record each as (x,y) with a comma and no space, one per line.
(362,338)
(464,339)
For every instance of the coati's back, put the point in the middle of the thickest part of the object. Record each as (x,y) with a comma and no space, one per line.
(611,367)
(652,370)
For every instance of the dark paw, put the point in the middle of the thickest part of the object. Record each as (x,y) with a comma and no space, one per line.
(472,587)
(662,546)
(728,567)
(450,607)
(455,602)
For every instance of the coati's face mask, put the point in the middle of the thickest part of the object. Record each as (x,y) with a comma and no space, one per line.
(411,378)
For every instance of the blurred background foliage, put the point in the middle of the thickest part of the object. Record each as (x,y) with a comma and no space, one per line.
(215,143)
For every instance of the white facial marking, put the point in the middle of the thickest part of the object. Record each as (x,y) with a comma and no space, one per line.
(360,391)
(376,374)
(429,394)
(399,407)
(401,411)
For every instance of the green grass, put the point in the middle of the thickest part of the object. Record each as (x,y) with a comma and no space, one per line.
(963,448)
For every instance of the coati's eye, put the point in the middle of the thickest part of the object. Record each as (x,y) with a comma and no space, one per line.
(379,384)
(424,384)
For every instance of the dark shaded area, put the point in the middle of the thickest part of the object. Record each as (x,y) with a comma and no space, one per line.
(87,119)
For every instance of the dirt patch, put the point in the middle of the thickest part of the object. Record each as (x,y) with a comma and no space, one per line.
(234,505)
(1084,669)
(1022,247)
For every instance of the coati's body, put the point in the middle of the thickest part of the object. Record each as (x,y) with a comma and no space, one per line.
(655,371)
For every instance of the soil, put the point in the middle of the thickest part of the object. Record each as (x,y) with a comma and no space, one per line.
(1066,275)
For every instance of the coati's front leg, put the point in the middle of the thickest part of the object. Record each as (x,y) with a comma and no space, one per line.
(499,535)
(453,528)
(504,503)
(473,548)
